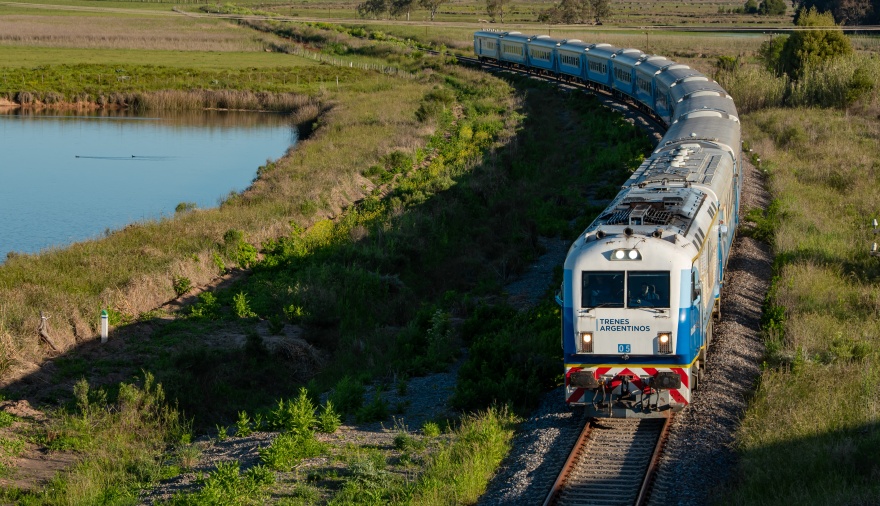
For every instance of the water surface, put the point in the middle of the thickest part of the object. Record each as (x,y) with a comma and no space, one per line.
(66,177)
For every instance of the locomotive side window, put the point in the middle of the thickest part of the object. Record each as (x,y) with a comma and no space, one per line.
(647,289)
(603,289)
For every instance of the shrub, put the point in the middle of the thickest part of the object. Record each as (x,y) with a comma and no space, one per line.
(207,307)
(348,395)
(431,429)
(294,416)
(328,420)
(243,425)
(185,206)
(375,411)
(181,284)
(241,307)
(276,324)
(288,449)
(810,47)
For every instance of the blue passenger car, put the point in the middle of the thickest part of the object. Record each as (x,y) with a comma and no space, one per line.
(514,49)
(542,54)
(623,70)
(570,54)
(486,45)
(646,69)
(598,65)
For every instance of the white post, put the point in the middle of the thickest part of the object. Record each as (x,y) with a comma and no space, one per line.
(104,326)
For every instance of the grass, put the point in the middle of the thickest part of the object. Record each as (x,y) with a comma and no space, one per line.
(12,56)
(822,315)
(117,441)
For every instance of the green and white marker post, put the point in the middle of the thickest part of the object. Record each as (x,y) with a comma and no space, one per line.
(105,324)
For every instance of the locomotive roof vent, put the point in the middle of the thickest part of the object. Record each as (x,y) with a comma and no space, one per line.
(657,234)
(628,232)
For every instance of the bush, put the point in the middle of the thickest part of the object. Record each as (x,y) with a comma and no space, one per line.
(348,395)
(328,420)
(288,449)
(805,48)
(241,307)
(294,416)
(181,284)
(375,411)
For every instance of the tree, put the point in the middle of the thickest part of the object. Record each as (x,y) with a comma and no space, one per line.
(399,7)
(372,8)
(846,12)
(496,8)
(805,48)
(432,6)
(770,53)
(568,12)
(772,7)
(601,9)
(751,7)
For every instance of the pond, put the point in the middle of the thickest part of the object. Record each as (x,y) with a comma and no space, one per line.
(67,177)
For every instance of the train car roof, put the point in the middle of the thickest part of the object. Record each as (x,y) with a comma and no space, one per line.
(516,37)
(629,57)
(704,103)
(575,45)
(693,84)
(605,51)
(651,65)
(672,73)
(709,126)
(491,34)
(543,41)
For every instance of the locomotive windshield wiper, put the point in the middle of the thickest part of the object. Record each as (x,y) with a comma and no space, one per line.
(604,304)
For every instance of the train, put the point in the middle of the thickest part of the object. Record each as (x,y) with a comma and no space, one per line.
(642,284)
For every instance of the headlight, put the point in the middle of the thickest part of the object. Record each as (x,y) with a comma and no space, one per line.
(664,343)
(586,342)
(626,254)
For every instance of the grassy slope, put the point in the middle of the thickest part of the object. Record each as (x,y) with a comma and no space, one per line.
(823,361)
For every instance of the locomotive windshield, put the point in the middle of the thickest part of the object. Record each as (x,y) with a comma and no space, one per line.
(647,289)
(602,289)
(641,288)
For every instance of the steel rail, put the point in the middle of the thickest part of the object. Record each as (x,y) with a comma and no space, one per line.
(607,463)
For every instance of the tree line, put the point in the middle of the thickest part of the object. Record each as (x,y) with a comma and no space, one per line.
(565,11)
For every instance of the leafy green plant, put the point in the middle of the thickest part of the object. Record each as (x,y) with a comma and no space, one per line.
(329,420)
(348,395)
(181,284)
(431,429)
(185,207)
(276,324)
(241,307)
(375,411)
(207,307)
(6,419)
(288,449)
(294,416)
(222,433)
(218,262)
(243,425)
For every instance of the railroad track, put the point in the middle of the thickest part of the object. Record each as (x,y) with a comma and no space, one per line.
(612,463)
